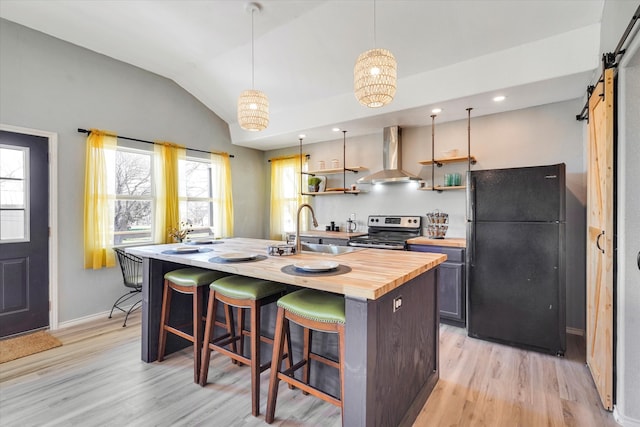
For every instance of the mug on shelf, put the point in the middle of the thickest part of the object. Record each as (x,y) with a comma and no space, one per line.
(448,179)
(335,163)
(321,164)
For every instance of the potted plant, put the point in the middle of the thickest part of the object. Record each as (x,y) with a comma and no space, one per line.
(314,183)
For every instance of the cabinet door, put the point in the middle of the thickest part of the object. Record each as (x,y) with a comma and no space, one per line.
(450,286)
(451,283)
(334,241)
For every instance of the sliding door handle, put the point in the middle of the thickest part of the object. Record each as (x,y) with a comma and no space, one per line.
(598,241)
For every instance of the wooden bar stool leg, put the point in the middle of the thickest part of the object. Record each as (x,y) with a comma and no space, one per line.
(289,360)
(276,362)
(306,350)
(228,313)
(208,335)
(198,297)
(240,331)
(164,316)
(255,357)
(341,350)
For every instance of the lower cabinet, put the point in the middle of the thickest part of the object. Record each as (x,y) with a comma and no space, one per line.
(451,283)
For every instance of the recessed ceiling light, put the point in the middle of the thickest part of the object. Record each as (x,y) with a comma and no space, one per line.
(436,110)
(499,98)
(336,129)
(302,135)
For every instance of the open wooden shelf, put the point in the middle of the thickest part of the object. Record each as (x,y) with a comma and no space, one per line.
(326,193)
(336,170)
(440,162)
(443,188)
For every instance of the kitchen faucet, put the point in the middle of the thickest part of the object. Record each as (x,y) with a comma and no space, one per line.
(315,224)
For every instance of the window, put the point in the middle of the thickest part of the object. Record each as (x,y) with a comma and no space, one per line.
(285,197)
(195,195)
(132,184)
(130,179)
(14,197)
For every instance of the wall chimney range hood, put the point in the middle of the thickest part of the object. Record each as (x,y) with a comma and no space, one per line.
(391,161)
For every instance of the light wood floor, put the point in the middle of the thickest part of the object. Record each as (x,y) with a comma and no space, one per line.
(97,379)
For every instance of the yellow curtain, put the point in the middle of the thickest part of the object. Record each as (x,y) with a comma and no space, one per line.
(222,195)
(98,203)
(167,212)
(286,197)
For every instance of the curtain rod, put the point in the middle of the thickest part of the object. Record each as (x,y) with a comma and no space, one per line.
(151,142)
(609,61)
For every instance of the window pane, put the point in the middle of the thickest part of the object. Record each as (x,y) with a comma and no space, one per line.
(196,178)
(132,215)
(12,225)
(133,173)
(11,194)
(11,163)
(132,222)
(197,213)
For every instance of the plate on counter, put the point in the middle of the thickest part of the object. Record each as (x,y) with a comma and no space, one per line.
(185,250)
(203,242)
(237,256)
(316,266)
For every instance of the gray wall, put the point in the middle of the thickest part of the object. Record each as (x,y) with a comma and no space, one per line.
(542,135)
(51,85)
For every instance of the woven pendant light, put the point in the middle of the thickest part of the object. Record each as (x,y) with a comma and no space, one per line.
(253,104)
(375,75)
(253,110)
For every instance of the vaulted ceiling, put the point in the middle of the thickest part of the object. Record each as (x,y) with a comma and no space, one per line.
(451,54)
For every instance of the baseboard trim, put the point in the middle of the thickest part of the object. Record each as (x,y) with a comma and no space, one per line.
(575,331)
(624,421)
(89,318)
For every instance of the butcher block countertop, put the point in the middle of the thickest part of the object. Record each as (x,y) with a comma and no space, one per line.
(331,234)
(454,242)
(374,272)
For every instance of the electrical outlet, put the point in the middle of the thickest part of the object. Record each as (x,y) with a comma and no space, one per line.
(397,303)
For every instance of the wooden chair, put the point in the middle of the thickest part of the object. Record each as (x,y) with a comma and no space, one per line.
(314,311)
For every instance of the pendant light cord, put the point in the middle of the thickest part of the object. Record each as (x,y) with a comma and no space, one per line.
(375,42)
(252,54)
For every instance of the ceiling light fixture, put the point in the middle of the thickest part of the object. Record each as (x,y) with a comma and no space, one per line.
(253,105)
(436,110)
(499,98)
(375,74)
(336,129)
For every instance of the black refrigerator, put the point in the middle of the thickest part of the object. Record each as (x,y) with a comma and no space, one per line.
(516,257)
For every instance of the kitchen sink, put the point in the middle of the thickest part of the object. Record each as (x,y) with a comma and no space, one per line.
(328,249)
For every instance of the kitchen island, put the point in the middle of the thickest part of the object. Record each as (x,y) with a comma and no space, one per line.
(391,312)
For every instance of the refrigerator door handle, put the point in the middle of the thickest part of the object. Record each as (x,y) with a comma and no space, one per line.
(471,199)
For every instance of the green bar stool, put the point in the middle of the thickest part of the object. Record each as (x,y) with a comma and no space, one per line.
(314,311)
(187,281)
(243,293)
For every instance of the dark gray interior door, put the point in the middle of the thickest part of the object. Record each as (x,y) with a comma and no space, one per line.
(24,233)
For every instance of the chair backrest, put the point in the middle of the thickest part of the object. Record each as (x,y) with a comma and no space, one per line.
(131,267)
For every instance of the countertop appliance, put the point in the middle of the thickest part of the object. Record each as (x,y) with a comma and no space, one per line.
(516,257)
(388,232)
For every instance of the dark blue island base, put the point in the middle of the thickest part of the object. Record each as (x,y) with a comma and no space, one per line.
(391,346)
